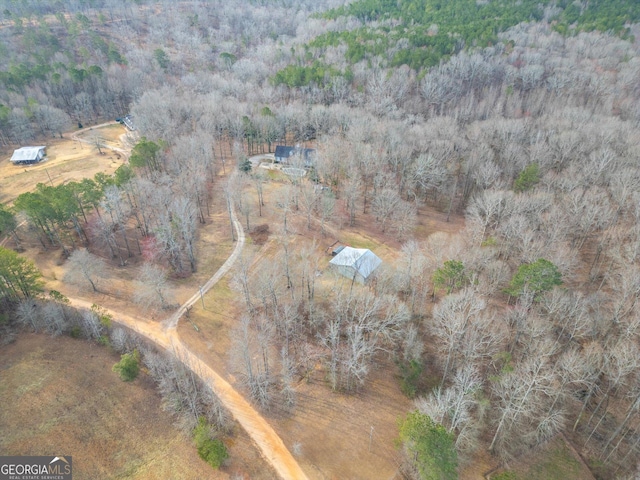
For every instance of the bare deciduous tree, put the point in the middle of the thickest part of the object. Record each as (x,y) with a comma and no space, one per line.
(451,322)
(151,289)
(85,269)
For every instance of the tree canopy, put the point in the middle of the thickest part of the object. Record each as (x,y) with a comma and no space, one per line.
(424,32)
(430,446)
(450,276)
(19,277)
(536,278)
(128,366)
(8,221)
(528,178)
(145,154)
(211,450)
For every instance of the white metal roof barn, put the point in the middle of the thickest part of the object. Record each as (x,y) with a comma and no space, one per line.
(356,263)
(28,154)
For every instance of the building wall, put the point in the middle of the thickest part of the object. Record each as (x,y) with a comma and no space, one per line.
(349,272)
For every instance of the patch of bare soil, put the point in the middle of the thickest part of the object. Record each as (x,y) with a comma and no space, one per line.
(60,397)
(260,234)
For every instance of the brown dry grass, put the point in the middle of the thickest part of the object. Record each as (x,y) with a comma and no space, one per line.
(59,396)
(66,160)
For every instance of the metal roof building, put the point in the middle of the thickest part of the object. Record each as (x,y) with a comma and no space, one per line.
(356,263)
(28,155)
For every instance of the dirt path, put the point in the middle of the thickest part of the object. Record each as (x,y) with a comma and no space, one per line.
(172,322)
(74,136)
(265,438)
(165,336)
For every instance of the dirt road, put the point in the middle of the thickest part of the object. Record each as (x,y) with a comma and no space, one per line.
(266,439)
(74,136)
(165,336)
(172,321)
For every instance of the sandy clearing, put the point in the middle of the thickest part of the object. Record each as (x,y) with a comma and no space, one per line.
(76,136)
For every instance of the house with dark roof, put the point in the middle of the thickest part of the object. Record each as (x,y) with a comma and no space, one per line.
(28,155)
(287,155)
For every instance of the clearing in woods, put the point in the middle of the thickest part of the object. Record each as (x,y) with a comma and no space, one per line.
(66,160)
(59,396)
(337,435)
(119,286)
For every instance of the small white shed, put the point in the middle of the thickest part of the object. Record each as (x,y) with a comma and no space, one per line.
(356,263)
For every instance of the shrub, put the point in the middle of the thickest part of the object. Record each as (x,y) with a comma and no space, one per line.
(410,377)
(75,332)
(506,475)
(451,276)
(128,366)
(211,450)
(245,165)
(528,178)
(537,277)
(429,446)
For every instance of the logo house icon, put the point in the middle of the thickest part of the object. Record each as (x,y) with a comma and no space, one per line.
(59,466)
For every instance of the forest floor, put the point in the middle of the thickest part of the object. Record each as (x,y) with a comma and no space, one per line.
(553,460)
(59,396)
(337,435)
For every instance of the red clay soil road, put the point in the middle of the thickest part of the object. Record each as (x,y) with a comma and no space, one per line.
(266,439)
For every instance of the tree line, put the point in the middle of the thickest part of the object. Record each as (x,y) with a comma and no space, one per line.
(198,411)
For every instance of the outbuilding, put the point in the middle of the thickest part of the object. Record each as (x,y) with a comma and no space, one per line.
(28,155)
(356,263)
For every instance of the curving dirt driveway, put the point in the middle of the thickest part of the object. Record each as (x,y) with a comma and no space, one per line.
(165,335)
(266,439)
(172,321)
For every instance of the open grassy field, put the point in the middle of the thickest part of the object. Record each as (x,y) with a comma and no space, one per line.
(60,397)
(66,160)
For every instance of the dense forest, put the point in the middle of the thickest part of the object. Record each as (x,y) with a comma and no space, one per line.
(522,117)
